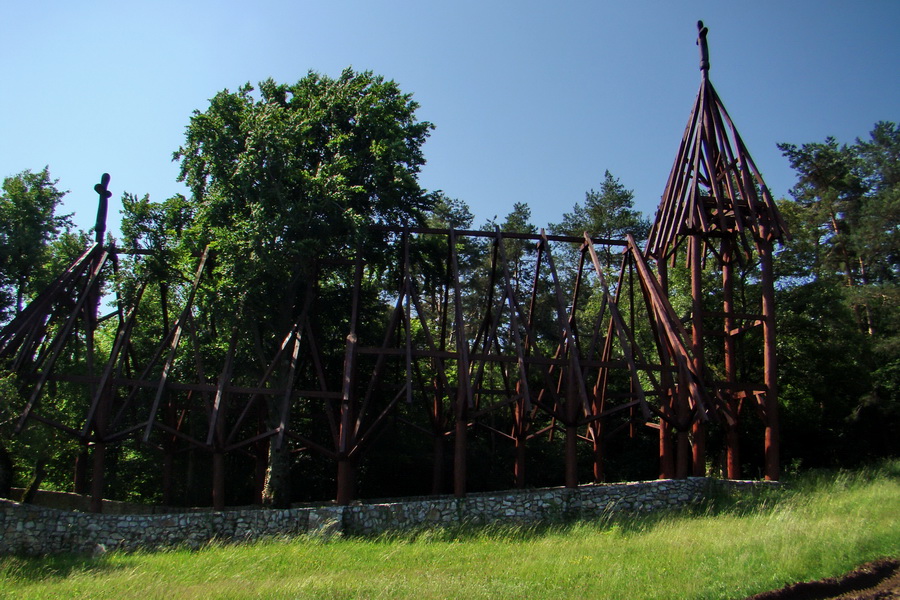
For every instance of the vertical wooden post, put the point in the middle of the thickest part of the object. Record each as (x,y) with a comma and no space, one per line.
(345,472)
(698,427)
(519,416)
(261,460)
(218,485)
(462,384)
(100,416)
(599,473)
(99,454)
(437,471)
(666,454)
(97,479)
(571,423)
(346,481)
(732,443)
(770,363)
(346,468)
(167,479)
(81,482)
(460,451)
(682,439)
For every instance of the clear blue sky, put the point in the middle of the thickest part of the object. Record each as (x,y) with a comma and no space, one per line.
(532,100)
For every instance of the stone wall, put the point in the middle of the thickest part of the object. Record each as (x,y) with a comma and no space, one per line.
(28,529)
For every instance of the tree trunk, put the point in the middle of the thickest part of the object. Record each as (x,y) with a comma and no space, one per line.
(32,488)
(82,480)
(277,489)
(277,486)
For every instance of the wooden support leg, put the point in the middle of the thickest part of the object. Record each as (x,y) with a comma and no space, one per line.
(459,460)
(520,463)
(437,470)
(666,454)
(732,452)
(683,455)
(261,460)
(346,481)
(698,430)
(599,475)
(82,483)
(97,479)
(167,481)
(683,452)
(770,364)
(218,491)
(520,436)
(732,457)
(571,456)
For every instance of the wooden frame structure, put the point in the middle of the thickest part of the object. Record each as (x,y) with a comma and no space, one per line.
(717,205)
(523,335)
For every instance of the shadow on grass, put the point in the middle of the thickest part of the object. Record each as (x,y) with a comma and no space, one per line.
(621,523)
(43,568)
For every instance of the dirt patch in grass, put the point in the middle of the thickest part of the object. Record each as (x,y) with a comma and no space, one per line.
(879,580)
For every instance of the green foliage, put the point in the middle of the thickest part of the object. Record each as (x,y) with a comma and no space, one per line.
(608,213)
(822,356)
(29,226)
(283,177)
(839,300)
(848,216)
(36,448)
(36,244)
(284,180)
(519,253)
(449,213)
(298,170)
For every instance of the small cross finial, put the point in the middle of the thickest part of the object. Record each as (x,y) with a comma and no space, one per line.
(101,189)
(704,48)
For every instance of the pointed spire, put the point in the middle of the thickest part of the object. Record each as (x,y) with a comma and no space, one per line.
(714,188)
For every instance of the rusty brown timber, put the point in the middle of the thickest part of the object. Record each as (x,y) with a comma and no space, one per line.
(518,335)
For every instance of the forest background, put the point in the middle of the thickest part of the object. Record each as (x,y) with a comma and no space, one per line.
(286,175)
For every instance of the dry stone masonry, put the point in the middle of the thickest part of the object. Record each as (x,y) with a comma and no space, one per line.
(35,530)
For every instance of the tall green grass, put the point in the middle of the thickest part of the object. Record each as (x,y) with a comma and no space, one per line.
(825,524)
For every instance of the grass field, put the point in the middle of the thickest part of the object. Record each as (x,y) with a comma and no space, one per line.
(824,525)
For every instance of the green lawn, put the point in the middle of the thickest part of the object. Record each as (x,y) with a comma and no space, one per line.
(824,525)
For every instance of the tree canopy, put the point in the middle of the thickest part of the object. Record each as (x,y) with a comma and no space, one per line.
(608,213)
(845,220)
(28,226)
(294,169)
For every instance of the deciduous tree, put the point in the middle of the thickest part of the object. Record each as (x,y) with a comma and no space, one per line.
(28,226)
(282,176)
